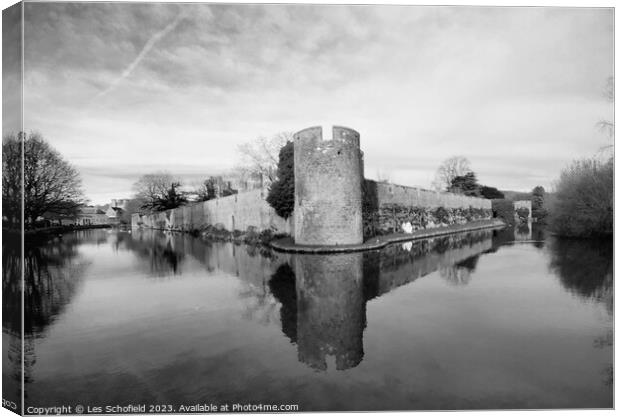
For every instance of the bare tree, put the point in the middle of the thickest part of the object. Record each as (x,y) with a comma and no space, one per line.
(154,185)
(450,169)
(11,179)
(607,126)
(260,157)
(159,191)
(51,184)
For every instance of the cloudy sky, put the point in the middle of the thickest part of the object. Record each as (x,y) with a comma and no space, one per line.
(124,89)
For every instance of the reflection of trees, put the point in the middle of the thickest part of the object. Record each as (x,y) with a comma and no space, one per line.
(51,278)
(585,268)
(523,231)
(539,235)
(163,254)
(460,273)
(282,286)
(502,237)
(157,250)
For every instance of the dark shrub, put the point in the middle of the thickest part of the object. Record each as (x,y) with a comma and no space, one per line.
(441,215)
(523,213)
(539,212)
(265,236)
(491,192)
(504,210)
(465,184)
(282,191)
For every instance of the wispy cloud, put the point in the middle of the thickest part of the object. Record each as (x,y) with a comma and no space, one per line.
(516,90)
(150,44)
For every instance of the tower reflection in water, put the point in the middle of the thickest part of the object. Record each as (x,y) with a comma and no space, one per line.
(323,297)
(331,310)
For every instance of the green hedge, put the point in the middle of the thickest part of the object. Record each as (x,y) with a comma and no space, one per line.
(504,210)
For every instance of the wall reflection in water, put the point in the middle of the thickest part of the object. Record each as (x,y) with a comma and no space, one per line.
(324,297)
(320,300)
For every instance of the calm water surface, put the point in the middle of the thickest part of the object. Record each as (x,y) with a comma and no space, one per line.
(471,321)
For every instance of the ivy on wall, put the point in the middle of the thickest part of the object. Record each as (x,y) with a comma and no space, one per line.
(391,218)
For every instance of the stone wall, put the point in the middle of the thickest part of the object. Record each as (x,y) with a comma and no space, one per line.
(328,187)
(234,212)
(334,204)
(389,208)
(386,208)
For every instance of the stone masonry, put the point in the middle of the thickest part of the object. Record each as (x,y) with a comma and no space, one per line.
(328,187)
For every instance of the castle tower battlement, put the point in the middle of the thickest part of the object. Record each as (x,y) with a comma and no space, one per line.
(328,187)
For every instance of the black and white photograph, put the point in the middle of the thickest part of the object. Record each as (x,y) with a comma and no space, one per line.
(297,207)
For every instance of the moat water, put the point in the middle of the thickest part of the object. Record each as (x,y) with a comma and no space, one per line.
(486,320)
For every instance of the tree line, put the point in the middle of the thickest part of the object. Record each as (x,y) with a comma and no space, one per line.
(38,181)
(50,184)
(258,160)
(582,203)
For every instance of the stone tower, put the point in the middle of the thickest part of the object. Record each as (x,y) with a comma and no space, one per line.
(328,187)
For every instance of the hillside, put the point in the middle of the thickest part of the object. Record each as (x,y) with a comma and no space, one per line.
(516,195)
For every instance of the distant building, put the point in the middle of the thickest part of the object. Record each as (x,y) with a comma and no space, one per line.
(116,209)
(85,216)
(114,215)
(90,215)
(55,219)
(120,203)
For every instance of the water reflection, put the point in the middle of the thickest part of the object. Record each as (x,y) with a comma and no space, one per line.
(52,275)
(331,310)
(320,299)
(324,297)
(11,319)
(160,252)
(523,231)
(585,268)
(318,302)
(460,273)
(454,256)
